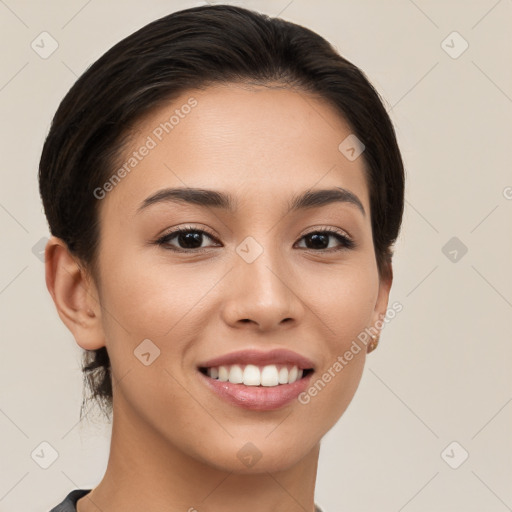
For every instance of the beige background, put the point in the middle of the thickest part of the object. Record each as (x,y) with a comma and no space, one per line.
(442,370)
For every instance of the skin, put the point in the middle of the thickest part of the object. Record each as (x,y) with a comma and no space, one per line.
(174,442)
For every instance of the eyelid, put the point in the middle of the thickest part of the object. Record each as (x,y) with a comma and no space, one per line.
(325,227)
(188,227)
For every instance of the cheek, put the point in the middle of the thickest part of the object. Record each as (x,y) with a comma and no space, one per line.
(331,390)
(343,297)
(149,300)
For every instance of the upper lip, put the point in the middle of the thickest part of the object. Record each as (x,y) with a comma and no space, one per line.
(259,358)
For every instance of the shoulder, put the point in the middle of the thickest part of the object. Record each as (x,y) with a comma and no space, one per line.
(69,502)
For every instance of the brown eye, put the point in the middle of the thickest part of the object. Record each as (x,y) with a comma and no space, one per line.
(319,240)
(187,239)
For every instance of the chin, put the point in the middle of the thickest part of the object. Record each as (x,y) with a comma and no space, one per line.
(261,452)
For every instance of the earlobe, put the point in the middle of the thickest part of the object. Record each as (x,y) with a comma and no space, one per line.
(74,294)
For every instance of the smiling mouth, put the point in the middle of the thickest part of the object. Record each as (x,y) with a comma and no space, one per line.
(271,375)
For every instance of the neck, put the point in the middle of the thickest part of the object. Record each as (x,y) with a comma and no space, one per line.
(147,472)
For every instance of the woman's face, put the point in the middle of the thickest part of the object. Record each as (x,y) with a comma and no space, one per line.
(251,278)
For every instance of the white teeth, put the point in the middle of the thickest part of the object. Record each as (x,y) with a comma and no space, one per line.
(223,374)
(253,375)
(236,375)
(269,376)
(292,376)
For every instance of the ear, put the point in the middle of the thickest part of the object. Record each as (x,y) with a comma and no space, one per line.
(381,304)
(75,295)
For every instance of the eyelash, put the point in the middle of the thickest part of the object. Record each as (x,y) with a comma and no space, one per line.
(346,242)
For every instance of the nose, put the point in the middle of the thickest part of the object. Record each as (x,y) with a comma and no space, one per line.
(262,293)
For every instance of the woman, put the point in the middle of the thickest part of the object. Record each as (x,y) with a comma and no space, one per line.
(223,191)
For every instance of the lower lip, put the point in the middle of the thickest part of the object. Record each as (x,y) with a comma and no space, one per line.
(257,398)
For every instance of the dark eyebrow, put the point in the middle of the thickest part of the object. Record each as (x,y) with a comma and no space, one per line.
(215,199)
(199,196)
(315,198)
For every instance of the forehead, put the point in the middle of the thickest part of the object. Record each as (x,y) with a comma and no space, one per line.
(254,142)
